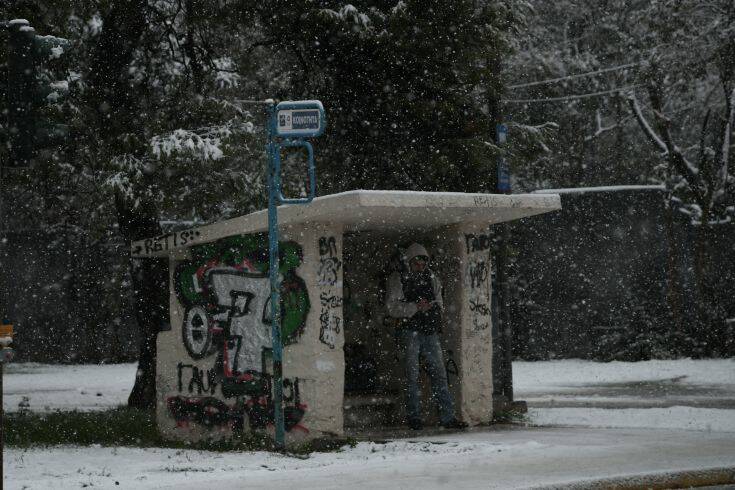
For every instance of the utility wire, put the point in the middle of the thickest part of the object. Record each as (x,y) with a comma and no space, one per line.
(571,97)
(569,77)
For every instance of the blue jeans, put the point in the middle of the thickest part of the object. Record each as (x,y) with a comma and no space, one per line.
(413,345)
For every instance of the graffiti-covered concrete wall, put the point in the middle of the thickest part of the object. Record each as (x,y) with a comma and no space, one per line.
(475,358)
(214,365)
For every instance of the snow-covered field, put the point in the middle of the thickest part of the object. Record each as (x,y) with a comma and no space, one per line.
(600,420)
(679,394)
(572,374)
(46,387)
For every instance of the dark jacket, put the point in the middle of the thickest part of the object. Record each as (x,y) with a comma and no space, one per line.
(404,290)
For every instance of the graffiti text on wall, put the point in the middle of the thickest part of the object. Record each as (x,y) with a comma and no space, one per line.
(477,243)
(199,380)
(329,263)
(225,290)
(212,412)
(165,242)
(479,308)
(477,277)
(478,272)
(330,297)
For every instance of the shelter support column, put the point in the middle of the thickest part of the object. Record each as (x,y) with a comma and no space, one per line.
(317,359)
(468,339)
(171,357)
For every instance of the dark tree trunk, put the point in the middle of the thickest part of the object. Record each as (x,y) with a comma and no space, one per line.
(150,280)
(706,328)
(197,71)
(150,298)
(114,99)
(700,251)
(674,287)
(112,94)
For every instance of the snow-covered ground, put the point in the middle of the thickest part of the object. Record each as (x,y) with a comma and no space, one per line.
(679,394)
(543,377)
(484,459)
(46,387)
(607,420)
(89,387)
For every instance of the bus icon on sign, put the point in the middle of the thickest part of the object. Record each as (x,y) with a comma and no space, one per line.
(300,119)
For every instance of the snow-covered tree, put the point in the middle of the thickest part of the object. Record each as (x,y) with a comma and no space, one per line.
(160,132)
(642,93)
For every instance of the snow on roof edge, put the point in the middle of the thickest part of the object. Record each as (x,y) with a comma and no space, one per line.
(292,213)
(607,188)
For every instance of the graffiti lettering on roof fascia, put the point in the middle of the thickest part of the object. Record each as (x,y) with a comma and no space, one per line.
(482,201)
(165,242)
(436,201)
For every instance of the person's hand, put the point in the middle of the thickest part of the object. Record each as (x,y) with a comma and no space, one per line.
(423,305)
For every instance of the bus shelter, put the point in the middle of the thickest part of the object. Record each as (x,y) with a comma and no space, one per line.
(341,363)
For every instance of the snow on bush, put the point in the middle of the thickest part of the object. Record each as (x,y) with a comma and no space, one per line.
(226,75)
(94,25)
(350,14)
(129,170)
(185,141)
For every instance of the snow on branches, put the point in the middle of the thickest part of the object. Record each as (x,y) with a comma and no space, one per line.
(350,14)
(185,141)
(203,144)
(225,73)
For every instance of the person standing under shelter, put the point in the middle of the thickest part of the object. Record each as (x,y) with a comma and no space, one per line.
(415,298)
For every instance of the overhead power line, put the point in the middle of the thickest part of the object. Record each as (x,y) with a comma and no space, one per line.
(569,77)
(572,97)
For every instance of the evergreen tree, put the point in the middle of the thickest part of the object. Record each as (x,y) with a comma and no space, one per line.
(159,133)
(406,86)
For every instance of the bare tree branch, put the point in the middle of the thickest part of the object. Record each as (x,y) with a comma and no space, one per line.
(645,126)
(675,156)
(602,129)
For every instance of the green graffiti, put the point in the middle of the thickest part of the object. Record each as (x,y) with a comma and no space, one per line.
(185,284)
(246,254)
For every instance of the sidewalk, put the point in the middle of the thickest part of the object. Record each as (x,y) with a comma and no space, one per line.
(604,458)
(499,457)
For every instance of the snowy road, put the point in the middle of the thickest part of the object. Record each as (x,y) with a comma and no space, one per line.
(600,420)
(516,458)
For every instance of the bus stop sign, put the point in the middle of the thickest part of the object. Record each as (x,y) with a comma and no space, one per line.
(300,119)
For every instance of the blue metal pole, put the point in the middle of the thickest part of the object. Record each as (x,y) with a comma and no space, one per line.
(273,263)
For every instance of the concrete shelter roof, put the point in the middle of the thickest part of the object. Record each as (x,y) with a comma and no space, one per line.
(362,210)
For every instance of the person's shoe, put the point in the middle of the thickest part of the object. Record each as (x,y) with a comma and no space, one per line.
(454,424)
(415,424)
